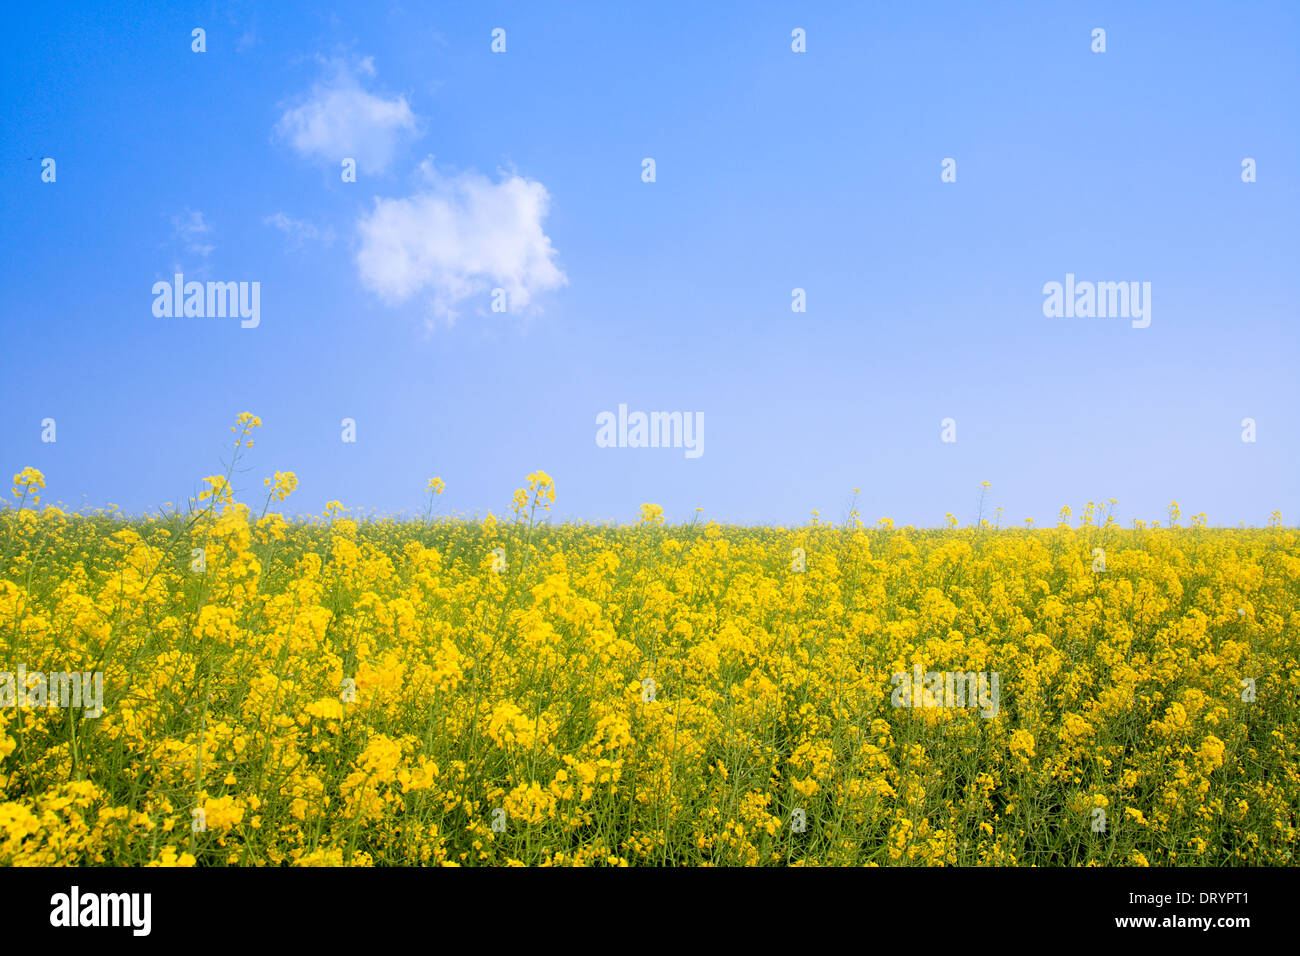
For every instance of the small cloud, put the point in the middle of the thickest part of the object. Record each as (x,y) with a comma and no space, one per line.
(461,235)
(338,119)
(299,231)
(190,229)
(248,36)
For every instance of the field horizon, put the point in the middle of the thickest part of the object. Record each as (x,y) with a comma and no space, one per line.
(228,687)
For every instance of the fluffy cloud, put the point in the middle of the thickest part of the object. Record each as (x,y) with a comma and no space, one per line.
(462,235)
(338,118)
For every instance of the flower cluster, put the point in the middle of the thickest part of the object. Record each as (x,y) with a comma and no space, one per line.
(447,691)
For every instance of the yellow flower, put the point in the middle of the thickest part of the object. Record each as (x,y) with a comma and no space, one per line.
(1021,746)
(1211,752)
(651,514)
(168,856)
(26,480)
(218,489)
(285,484)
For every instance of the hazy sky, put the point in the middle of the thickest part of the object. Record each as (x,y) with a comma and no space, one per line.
(774,170)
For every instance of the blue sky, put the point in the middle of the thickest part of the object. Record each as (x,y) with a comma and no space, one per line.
(775,170)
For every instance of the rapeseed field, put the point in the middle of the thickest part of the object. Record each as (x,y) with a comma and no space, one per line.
(512,691)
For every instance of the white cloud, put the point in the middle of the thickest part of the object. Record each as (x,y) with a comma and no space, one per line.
(298,230)
(338,119)
(190,229)
(462,235)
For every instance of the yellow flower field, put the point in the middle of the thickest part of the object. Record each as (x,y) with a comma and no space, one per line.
(441,691)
